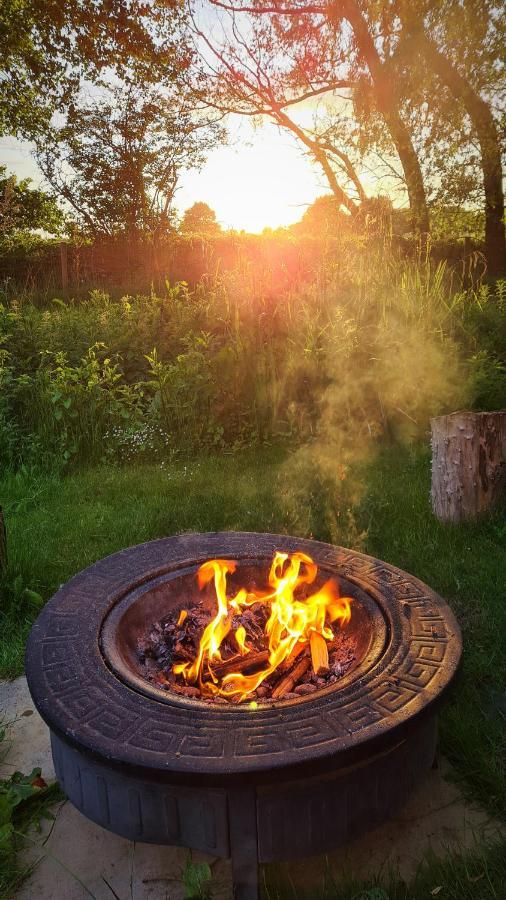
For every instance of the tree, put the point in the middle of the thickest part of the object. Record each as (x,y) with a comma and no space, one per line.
(200,219)
(325,46)
(323,216)
(462,47)
(117,159)
(422,69)
(47,47)
(26,209)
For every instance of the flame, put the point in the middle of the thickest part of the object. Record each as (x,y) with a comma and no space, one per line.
(288,628)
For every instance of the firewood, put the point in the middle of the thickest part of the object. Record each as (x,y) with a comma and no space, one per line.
(288,663)
(241,663)
(287,683)
(319,653)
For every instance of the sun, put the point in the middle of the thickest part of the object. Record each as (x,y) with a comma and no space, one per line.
(261,180)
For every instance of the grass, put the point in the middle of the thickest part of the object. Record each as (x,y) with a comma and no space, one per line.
(476,875)
(58,526)
(25,800)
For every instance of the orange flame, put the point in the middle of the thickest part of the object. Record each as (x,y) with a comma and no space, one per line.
(288,629)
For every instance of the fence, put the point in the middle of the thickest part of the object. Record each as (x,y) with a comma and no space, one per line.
(271,262)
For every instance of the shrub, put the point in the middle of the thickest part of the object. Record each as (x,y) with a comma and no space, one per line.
(359,353)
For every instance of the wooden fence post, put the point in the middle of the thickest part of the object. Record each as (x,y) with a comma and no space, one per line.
(468,464)
(64,262)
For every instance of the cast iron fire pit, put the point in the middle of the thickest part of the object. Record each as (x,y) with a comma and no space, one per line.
(286,779)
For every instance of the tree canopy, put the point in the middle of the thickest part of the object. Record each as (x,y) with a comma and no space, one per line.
(48,47)
(24,209)
(407,93)
(200,219)
(118,157)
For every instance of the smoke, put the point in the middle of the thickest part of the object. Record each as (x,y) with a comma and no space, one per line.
(399,367)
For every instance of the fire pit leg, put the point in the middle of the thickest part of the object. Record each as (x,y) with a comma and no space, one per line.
(244,843)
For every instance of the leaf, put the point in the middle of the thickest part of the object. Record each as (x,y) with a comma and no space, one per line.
(33,598)
(6,808)
(22,787)
(6,836)
(196,878)
(435,891)
(375,893)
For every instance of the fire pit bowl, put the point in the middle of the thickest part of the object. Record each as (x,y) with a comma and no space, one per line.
(288,778)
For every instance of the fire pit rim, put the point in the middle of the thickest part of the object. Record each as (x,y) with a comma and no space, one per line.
(81,700)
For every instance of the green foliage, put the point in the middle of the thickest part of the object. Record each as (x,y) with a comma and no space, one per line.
(476,874)
(118,157)
(362,356)
(487,384)
(196,878)
(24,802)
(46,47)
(200,219)
(23,209)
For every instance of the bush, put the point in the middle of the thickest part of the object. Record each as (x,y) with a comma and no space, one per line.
(357,354)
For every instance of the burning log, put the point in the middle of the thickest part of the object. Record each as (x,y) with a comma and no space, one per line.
(287,684)
(184,645)
(319,653)
(288,664)
(241,663)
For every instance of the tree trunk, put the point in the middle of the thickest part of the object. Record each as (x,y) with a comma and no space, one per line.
(388,106)
(468,464)
(486,131)
(3,544)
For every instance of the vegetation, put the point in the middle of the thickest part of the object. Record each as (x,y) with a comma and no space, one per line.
(200,219)
(357,357)
(24,209)
(409,89)
(47,50)
(282,381)
(58,526)
(118,158)
(24,801)
(405,99)
(477,875)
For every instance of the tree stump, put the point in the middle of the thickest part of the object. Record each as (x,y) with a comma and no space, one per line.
(3,544)
(468,464)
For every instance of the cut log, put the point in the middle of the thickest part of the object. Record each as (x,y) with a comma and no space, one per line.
(319,653)
(468,464)
(3,544)
(289,681)
(241,663)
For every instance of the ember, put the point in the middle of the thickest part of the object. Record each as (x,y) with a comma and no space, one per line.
(277,643)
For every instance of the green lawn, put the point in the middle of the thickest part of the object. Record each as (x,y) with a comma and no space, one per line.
(56,527)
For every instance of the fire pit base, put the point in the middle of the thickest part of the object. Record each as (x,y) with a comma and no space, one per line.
(259,823)
(251,782)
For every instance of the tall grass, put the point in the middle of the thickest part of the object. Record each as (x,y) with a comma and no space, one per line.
(370,346)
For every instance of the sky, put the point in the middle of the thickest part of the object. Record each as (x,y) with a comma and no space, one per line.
(260,179)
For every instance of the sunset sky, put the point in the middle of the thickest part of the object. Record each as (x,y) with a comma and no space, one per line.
(260,179)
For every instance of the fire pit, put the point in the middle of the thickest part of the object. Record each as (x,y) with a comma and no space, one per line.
(231,735)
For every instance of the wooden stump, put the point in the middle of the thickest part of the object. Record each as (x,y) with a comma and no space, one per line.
(468,464)
(3,544)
